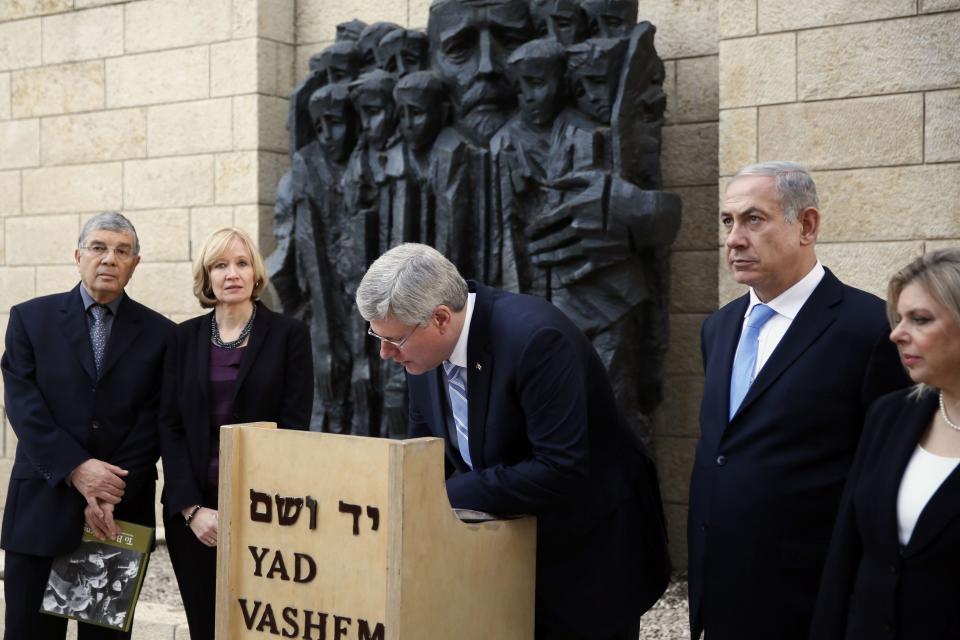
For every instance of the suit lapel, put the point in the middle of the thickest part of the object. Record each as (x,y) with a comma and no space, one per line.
(479,370)
(439,407)
(201,348)
(73,324)
(125,329)
(258,335)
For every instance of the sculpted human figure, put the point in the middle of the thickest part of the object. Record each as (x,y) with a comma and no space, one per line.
(566,21)
(350,30)
(368,41)
(403,51)
(611,18)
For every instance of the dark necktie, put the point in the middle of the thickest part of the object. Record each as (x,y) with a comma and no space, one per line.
(98,334)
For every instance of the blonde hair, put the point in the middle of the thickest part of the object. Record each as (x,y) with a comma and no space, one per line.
(213,247)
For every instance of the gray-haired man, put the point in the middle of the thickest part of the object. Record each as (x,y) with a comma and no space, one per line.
(81,377)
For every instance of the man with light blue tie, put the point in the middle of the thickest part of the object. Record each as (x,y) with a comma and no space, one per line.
(790,369)
(531,427)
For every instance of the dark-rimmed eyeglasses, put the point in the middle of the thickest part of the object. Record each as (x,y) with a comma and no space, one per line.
(396,344)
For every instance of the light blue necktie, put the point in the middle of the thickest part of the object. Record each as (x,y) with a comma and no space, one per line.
(746,359)
(458,407)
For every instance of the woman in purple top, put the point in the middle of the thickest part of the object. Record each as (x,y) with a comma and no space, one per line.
(239,363)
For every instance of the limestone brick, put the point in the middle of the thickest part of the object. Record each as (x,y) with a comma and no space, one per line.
(931,6)
(6,466)
(747,76)
(55,279)
(693,281)
(83,35)
(890,56)
(787,15)
(166,287)
(273,20)
(257,220)
(670,88)
(936,245)
(87,4)
(164,234)
(190,127)
(689,155)
(168,182)
(738,139)
(418,14)
(259,122)
(237,178)
(93,187)
(165,24)
(234,66)
(674,458)
(683,353)
(20,44)
(155,78)
(679,412)
(203,222)
(685,28)
(285,76)
(17,284)
(698,229)
(4,96)
(697,90)
(942,130)
(899,203)
(727,288)
(302,60)
(56,89)
(19,143)
(881,131)
(92,137)
(317,21)
(676,515)
(3,244)
(41,239)
(16,9)
(868,265)
(737,18)
(9,193)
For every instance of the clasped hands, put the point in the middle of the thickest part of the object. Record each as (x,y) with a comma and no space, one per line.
(102,485)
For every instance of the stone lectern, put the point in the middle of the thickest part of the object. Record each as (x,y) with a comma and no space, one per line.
(331,537)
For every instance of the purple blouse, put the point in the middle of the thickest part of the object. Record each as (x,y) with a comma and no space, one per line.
(224,368)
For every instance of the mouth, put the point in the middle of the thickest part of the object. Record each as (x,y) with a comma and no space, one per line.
(909,360)
(740,263)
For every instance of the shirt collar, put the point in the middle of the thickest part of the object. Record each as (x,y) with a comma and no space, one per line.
(88,301)
(459,355)
(788,303)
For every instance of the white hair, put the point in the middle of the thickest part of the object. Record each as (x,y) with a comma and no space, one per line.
(109,221)
(795,187)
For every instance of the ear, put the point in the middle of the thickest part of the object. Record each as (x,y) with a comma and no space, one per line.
(809,220)
(443,316)
(76,256)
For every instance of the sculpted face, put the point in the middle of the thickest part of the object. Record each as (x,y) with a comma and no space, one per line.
(377,119)
(567,22)
(420,119)
(335,123)
(470,41)
(403,51)
(611,18)
(537,69)
(596,78)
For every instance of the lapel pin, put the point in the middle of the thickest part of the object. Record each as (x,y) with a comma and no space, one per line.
(479,368)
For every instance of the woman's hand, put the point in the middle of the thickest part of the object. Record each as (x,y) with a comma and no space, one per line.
(203,525)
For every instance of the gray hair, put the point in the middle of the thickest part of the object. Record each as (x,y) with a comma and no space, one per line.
(109,221)
(408,282)
(795,186)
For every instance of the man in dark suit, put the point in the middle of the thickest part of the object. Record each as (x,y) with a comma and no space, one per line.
(790,369)
(531,426)
(81,377)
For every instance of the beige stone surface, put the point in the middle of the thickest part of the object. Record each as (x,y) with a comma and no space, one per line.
(418,14)
(35,240)
(184,128)
(164,234)
(273,19)
(685,28)
(693,281)
(19,143)
(936,245)
(882,131)
(929,6)
(54,279)
(3,244)
(168,182)
(9,193)
(670,88)
(286,79)
(203,222)
(898,203)
(165,24)
(737,18)
(868,265)
(4,96)
(93,187)
(679,413)
(91,137)
(697,90)
(689,154)
(260,123)
(890,56)
(683,353)
(16,9)
(787,15)
(942,131)
(20,44)
(155,78)
(699,227)
(674,457)
(317,21)
(676,515)
(83,35)
(237,178)
(16,285)
(302,59)
(166,287)
(759,70)
(738,139)
(727,288)
(87,4)
(257,220)
(56,89)
(234,66)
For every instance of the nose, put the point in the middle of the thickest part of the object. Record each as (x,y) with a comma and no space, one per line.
(387,350)
(898,335)
(486,53)
(734,238)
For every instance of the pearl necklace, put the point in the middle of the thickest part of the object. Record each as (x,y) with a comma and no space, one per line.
(943,412)
(233,344)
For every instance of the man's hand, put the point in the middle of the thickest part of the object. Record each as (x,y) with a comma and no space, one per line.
(99,518)
(98,482)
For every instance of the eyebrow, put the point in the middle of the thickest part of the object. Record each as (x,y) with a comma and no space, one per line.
(746,211)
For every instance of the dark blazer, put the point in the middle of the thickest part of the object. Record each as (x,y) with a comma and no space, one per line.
(766,485)
(63,415)
(275,384)
(872,587)
(546,438)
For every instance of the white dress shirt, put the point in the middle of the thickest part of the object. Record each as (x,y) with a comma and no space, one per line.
(923,476)
(459,355)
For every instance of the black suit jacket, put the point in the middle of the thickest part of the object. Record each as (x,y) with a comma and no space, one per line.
(274,384)
(766,485)
(63,415)
(872,587)
(546,438)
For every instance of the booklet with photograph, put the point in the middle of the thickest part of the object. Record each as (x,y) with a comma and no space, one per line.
(99,581)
